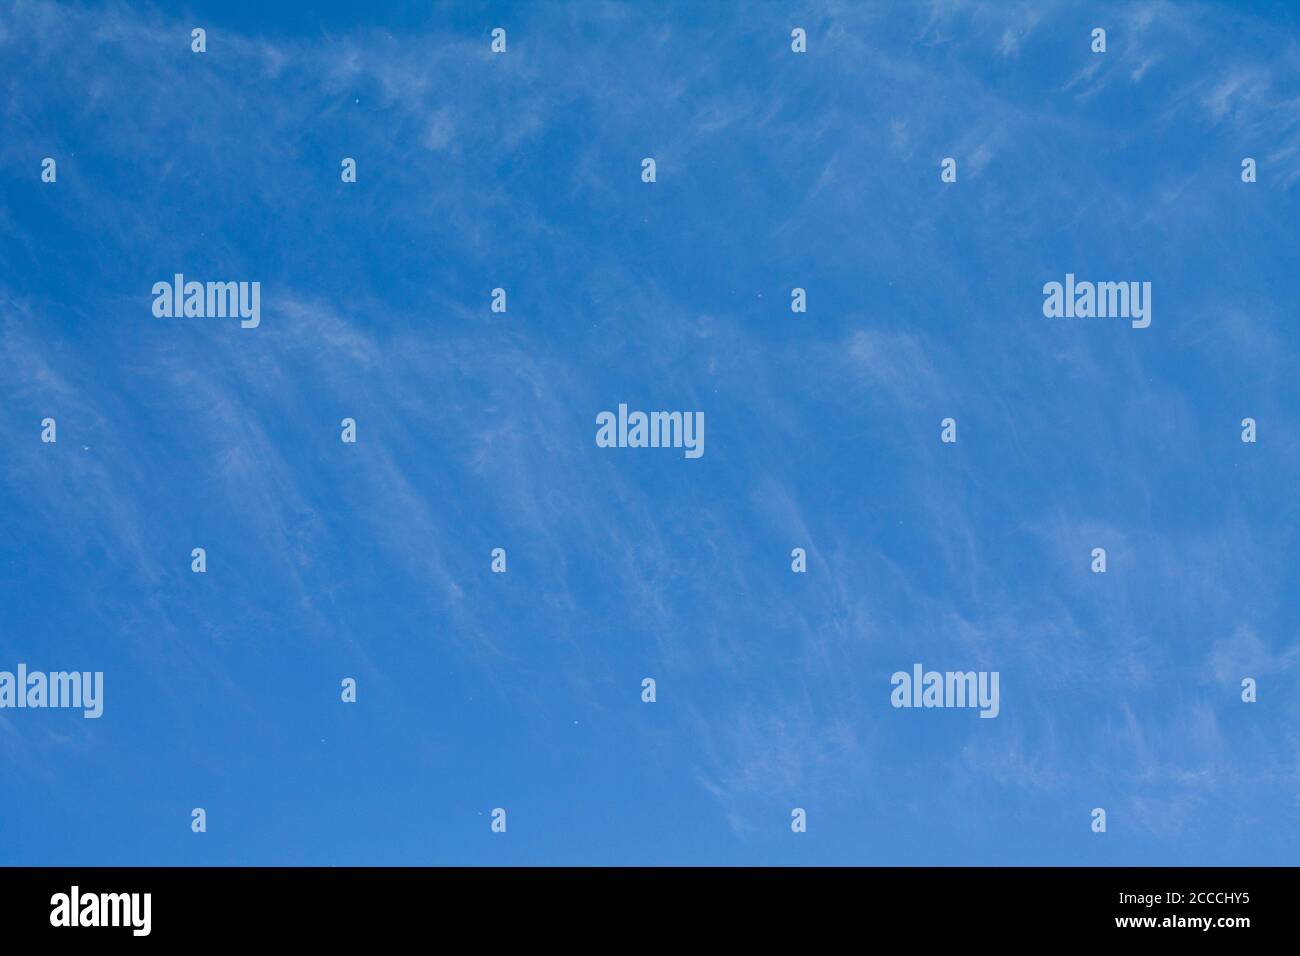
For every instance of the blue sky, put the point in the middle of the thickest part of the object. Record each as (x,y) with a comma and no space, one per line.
(476,430)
